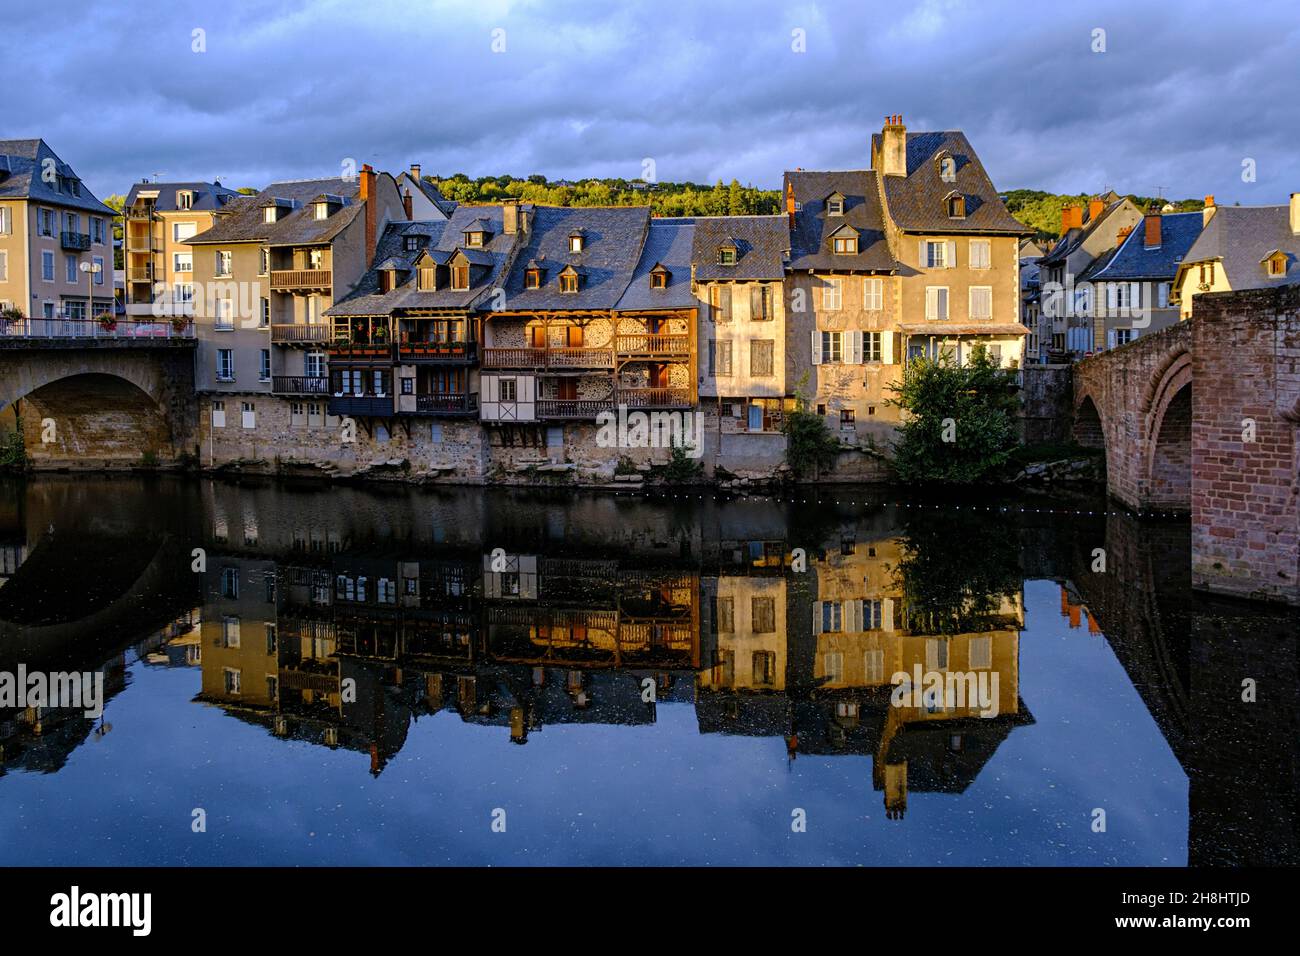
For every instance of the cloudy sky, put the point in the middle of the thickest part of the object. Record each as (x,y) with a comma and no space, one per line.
(1182,95)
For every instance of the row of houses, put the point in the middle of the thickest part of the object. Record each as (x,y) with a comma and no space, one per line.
(1117,272)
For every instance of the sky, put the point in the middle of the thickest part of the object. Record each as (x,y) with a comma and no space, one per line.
(1176,99)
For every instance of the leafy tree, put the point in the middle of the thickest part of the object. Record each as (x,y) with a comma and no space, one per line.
(960,419)
(809,444)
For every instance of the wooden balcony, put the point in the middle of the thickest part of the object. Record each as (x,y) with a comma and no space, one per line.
(656,397)
(300,333)
(436,352)
(557,358)
(446,403)
(364,353)
(301,280)
(654,345)
(300,385)
(573,409)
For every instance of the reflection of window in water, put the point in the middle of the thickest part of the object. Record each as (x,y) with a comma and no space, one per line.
(831,616)
(873,666)
(763,615)
(834,662)
(725,662)
(230,632)
(510,583)
(954,743)
(232,678)
(726,615)
(764,667)
(230,582)
(936,654)
(981,652)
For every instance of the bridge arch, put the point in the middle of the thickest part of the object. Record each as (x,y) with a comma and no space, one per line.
(1167,407)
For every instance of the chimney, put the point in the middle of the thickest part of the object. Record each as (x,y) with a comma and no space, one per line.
(1295,214)
(367,195)
(1071,218)
(1151,224)
(893,147)
(1208,212)
(510,216)
(789,203)
(415,171)
(1095,207)
(1122,234)
(408,204)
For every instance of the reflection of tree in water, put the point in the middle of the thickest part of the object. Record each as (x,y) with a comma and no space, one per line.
(955,570)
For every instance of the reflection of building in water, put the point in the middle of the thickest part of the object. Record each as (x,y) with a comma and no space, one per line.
(822,676)
(40,739)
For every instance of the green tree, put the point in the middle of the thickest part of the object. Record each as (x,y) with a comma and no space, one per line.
(959,421)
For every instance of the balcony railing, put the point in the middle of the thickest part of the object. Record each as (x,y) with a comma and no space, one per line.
(655,397)
(139,242)
(293,280)
(140,274)
(74,241)
(361,405)
(653,344)
(548,358)
(300,384)
(367,352)
(580,408)
(446,403)
(288,334)
(78,328)
(437,351)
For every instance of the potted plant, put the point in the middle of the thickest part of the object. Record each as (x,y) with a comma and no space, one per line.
(179,324)
(8,317)
(107,321)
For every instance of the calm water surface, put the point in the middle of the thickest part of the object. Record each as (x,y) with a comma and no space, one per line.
(372,676)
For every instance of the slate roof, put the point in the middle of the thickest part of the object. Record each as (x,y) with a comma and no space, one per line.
(1133,260)
(1240,236)
(668,243)
(442,239)
(810,238)
(916,201)
(614,237)
(207,196)
(21,162)
(1067,243)
(448,206)
(763,245)
(241,219)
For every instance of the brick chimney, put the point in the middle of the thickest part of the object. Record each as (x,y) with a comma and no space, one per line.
(1122,234)
(408,204)
(1071,218)
(415,171)
(510,216)
(367,197)
(1151,227)
(1095,206)
(789,203)
(1295,214)
(1208,212)
(893,147)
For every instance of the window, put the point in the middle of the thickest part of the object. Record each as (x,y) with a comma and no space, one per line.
(956,207)
(762,615)
(720,358)
(408,386)
(264,316)
(387,591)
(230,632)
(6,221)
(764,667)
(832,348)
(70,268)
(223,316)
(834,666)
(575,242)
(727,256)
(248,414)
(460,277)
(232,679)
(223,263)
(726,615)
(47,222)
(182,231)
(1125,336)
(218,414)
(533,279)
(474,239)
(659,279)
(948,169)
(1162,295)
(4,266)
(47,266)
(184,199)
(225,365)
(263,262)
(981,302)
(182,262)
(230,583)
(847,418)
(835,206)
(760,302)
(873,666)
(321,210)
(99,275)
(1277,265)
(871,347)
(831,617)
(981,652)
(760,357)
(846,245)
(832,294)
(569,282)
(873,294)
(934,255)
(316,364)
(508,390)
(266,365)
(426,279)
(936,303)
(979,254)
(97,229)
(269,214)
(720,302)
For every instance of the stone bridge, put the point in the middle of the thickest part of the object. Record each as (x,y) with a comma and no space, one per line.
(1202,418)
(99,402)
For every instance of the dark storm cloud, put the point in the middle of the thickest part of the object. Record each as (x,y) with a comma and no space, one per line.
(1183,94)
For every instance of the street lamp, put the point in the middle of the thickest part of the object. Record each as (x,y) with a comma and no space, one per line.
(91,269)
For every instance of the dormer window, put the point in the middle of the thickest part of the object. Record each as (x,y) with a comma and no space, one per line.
(835,204)
(577,239)
(569,280)
(956,206)
(846,245)
(1275,263)
(269,214)
(533,279)
(460,277)
(659,277)
(426,279)
(184,199)
(321,210)
(474,239)
(947,168)
(411,243)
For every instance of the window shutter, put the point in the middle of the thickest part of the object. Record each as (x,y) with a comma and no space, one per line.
(1135,290)
(855,348)
(887,614)
(931,308)
(887,348)
(952,254)
(816,347)
(855,616)
(921,257)
(1110,338)
(1112,296)
(817,617)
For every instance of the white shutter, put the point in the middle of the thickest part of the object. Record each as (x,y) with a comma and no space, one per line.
(218,418)
(816,347)
(931,303)
(817,617)
(1134,333)
(887,614)
(855,348)
(1135,291)
(887,348)
(921,258)
(1112,296)
(855,616)
(1110,338)
(952,254)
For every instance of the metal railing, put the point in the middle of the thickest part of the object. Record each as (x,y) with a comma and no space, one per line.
(61,327)
(300,384)
(74,241)
(573,408)
(453,403)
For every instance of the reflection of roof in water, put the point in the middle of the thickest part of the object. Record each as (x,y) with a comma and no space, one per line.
(933,766)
